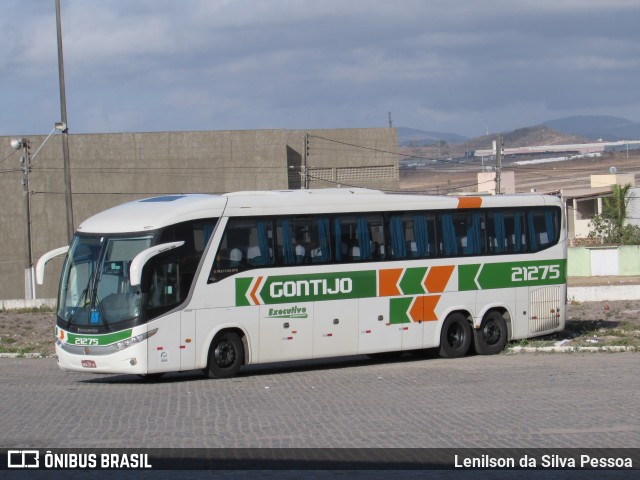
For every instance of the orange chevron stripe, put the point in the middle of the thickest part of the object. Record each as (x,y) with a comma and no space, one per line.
(424,308)
(469,202)
(388,282)
(437,278)
(430,303)
(255,299)
(417,309)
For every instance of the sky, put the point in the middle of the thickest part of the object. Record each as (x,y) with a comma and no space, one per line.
(461,66)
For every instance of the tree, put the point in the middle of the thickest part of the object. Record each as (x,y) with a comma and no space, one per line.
(611,225)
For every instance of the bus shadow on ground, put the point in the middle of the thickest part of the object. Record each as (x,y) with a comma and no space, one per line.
(277,368)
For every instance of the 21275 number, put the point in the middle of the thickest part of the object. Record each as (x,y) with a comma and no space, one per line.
(533,273)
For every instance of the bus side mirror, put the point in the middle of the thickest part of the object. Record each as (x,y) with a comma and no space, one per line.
(42,262)
(135,270)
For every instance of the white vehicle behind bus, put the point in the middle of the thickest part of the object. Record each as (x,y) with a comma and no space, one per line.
(214,282)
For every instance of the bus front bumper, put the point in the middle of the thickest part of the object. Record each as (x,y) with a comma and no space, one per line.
(132,360)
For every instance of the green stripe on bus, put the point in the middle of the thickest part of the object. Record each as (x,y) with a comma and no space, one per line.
(411,281)
(271,290)
(309,288)
(398,310)
(319,287)
(242,288)
(105,339)
(511,274)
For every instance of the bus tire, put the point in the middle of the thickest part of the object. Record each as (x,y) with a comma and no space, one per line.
(226,356)
(455,337)
(491,337)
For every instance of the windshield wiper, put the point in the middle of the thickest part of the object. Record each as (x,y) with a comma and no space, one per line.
(102,312)
(75,308)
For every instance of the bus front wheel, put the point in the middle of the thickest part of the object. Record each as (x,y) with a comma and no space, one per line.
(492,335)
(455,338)
(226,356)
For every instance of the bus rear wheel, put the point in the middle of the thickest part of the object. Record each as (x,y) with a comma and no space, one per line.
(226,356)
(455,338)
(492,335)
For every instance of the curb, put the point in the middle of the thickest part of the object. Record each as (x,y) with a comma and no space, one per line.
(610,349)
(26,355)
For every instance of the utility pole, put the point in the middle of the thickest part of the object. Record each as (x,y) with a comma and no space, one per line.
(25,160)
(25,166)
(499,150)
(65,133)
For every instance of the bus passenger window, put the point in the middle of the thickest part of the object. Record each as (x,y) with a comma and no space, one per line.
(358,237)
(506,232)
(412,235)
(462,234)
(542,226)
(247,242)
(303,240)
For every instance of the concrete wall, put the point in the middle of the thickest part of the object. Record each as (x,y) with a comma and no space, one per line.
(578,262)
(110,169)
(588,262)
(629,260)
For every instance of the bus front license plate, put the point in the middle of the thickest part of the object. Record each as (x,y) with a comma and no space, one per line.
(88,364)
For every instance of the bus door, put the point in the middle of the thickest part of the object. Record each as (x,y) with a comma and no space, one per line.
(286,331)
(335,328)
(376,331)
(413,328)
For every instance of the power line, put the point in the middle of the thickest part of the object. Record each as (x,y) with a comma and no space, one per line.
(9,156)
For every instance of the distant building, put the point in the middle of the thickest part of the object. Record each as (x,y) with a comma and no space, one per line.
(584,203)
(487,182)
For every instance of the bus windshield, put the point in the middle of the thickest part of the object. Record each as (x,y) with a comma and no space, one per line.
(95,289)
(96,292)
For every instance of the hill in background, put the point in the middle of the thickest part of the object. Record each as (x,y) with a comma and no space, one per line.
(522,137)
(528,136)
(568,130)
(597,127)
(412,137)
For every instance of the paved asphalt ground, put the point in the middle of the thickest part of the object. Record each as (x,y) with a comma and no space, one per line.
(523,401)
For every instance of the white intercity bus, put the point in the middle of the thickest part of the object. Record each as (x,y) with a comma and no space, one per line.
(214,282)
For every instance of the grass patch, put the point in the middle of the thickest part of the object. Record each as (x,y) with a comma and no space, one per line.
(40,309)
(591,333)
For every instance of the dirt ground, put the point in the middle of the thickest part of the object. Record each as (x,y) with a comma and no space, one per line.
(588,324)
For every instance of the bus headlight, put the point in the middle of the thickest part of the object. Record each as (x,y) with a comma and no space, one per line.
(121,345)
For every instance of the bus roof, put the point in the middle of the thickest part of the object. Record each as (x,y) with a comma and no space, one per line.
(157,212)
(152,213)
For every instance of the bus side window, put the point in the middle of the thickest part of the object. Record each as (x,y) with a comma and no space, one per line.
(247,242)
(506,232)
(463,233)
(542,226)
(412,235)
(303,240)
(358,238)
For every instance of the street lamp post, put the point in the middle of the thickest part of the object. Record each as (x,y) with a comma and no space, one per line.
(25,166)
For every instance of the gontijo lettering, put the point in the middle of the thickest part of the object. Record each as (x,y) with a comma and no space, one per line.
(304,288)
